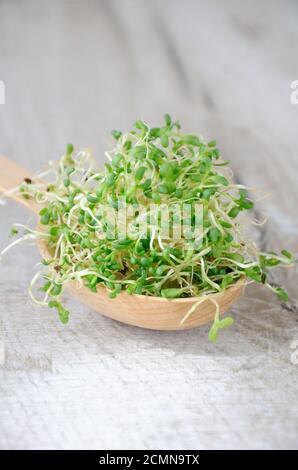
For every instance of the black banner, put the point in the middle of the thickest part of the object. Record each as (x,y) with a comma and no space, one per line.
(138,458)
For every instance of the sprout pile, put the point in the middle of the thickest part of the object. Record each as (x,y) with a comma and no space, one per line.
(149,169)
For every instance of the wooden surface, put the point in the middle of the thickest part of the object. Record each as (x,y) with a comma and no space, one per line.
(11,175)
(73,71)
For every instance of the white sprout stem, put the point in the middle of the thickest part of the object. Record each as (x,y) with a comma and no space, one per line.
(31,286)
(193,308)
(206,278)
(29,236)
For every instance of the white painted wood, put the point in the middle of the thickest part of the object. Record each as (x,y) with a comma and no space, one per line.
(73,70)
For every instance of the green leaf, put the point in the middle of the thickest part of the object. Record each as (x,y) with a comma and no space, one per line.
(92,198)
(164,140)
(245,204)
(242,193)
(215,153)
(227,280)
(214,234)
(141,125)
(225,322)
(139,151)
(117,158)
(221,180)
(234,212)
(127,145)
(254,273)
(146,262)
(205,165)
(156,198)
(287,254)
(167,171)
(56,289)
(69,149)
(45,218)
(63,315)
(122,243)
(14,231)
(172,293)
(162,189)
(147,184)
(62,312)
(168,120)
(160,270)
(196,178)
(116,134)
(225,224)
(191,140)
(270,262)
(43,211)
(110,179)
(236,257)
(179,193)
(281,294)
(140,173)
(54,231)
(207,193)
(154,132)
(213,333)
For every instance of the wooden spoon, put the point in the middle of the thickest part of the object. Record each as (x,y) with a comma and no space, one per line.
(144,311)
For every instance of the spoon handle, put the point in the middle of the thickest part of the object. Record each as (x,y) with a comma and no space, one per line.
(11,175)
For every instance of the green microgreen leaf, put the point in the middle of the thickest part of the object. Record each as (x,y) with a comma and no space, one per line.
(281,294)
(116,134)
(172,293)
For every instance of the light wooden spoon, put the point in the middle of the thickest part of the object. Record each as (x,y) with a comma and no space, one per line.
(144,311)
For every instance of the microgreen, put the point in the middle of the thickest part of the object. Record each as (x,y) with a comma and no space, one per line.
(148,165)
(14,231)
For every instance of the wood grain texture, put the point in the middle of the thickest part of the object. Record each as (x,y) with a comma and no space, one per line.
(11,176)
(156,313)
(73,71)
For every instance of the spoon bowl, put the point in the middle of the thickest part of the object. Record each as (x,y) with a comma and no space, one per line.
(155,313)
